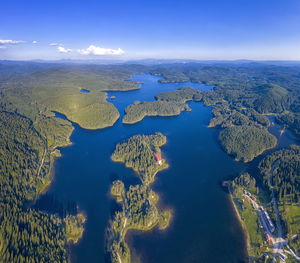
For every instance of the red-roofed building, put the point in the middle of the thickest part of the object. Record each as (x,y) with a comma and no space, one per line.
(268,238)
(158,158)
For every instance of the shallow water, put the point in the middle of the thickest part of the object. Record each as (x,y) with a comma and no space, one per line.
(204,227)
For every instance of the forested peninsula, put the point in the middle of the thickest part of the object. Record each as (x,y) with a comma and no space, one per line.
(167,104)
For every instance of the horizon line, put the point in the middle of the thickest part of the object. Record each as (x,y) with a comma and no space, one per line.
(149,59)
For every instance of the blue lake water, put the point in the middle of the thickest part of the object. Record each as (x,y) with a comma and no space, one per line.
(150,87)
(204,227)
(84,91)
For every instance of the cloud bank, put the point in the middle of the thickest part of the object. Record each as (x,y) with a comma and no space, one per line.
(98,51)
(64,50)
(91,50)
(10,42)
(34,42)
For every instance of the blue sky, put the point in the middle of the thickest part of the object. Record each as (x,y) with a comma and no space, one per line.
(127,29)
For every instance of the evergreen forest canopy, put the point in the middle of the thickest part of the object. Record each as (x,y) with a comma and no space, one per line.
(30,133)
(286,170)
(139,203)
(138,153)
(246,142)
(58,89)
(32,88)
(27,235)
(263,88)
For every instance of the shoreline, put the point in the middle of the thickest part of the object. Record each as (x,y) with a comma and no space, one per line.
(89,128)
(242,223)
(53,157)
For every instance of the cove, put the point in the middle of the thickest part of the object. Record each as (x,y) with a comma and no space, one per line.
(204,227)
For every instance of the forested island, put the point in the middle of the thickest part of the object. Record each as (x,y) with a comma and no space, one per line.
(139,203)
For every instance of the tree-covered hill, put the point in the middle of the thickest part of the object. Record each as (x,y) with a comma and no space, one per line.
(246,142)
(284,168)
(27,235)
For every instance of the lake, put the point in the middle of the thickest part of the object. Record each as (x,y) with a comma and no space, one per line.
(204,227)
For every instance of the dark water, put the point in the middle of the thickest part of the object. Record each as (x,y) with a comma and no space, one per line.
(204,227)
(84,91)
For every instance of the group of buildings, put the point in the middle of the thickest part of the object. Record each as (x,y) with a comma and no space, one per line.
(264,217)
(264,214)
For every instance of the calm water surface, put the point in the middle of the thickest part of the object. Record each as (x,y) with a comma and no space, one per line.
(204,227)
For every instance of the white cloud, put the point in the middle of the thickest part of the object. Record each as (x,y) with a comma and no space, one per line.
(9,41)
(3,47)
(94,50)
(63,50)
(34,42)
(55,44)
(91,50)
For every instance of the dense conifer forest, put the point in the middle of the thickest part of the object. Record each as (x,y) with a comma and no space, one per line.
(30,135)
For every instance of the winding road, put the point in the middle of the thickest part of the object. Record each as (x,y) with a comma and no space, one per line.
(279,243)
(42,162)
